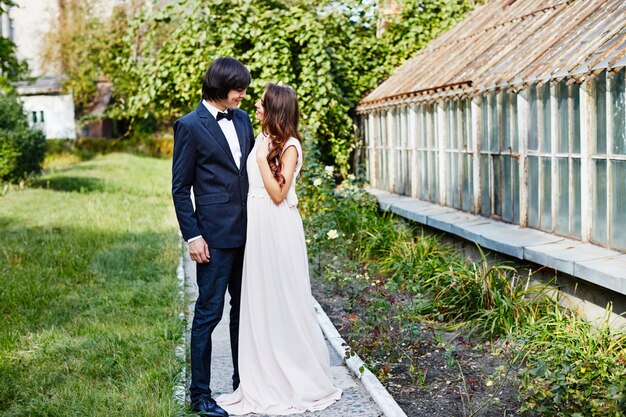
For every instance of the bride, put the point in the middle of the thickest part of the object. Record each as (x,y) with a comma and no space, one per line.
(283,359)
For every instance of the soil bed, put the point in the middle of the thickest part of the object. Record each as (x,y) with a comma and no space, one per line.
(459,376)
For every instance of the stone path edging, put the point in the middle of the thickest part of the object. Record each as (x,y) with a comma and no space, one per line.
(379,394)
(181,349)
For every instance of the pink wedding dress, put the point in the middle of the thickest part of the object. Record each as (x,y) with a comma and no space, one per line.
(283,359)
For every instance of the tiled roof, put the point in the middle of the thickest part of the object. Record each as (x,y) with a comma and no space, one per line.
(49,85)
(514,43)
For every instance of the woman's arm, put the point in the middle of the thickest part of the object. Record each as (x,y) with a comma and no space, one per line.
(289,159)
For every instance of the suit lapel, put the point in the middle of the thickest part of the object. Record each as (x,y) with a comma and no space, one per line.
(241,135)
(215,131)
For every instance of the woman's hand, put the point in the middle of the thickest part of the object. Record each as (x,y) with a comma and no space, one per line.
(262,150)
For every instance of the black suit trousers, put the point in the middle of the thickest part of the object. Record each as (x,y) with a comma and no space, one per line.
(222,273)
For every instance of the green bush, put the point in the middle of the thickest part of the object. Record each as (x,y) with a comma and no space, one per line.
(87,148)
(22,149)
(574,368)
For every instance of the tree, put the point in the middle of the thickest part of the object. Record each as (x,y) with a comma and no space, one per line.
(326,49)
(420,21)
(312,45)
(85,46)
(11,68)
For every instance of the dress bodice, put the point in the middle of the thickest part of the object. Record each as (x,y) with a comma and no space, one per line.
(257,188)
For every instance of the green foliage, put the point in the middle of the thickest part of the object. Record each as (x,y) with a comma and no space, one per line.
(420,21)
(327,51)
(11,68)
(22,149)
(492,297)
(85,47)
(574,368)
(398,282)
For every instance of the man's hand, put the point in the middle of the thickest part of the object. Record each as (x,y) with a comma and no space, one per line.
(199,251)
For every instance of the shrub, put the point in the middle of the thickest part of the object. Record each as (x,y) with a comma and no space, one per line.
(573,367)
(87,148)
(22,149)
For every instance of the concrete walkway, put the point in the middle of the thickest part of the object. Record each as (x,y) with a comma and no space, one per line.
(355,401)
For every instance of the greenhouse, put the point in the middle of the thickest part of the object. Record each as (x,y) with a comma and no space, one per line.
(501,119)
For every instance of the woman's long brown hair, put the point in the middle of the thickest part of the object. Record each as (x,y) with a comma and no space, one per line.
(280,122)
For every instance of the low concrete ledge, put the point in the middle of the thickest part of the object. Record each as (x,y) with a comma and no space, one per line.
(603,267)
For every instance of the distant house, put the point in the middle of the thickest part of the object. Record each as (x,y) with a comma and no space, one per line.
(47,108)
(510,123)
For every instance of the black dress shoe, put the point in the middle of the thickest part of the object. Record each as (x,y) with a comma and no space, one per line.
(206,406)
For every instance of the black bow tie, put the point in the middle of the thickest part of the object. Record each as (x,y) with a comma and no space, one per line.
(225,115)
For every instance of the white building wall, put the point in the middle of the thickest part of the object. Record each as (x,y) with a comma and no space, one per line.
(31,20)
(58,115)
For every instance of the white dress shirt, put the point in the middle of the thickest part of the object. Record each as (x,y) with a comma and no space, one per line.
(228,127)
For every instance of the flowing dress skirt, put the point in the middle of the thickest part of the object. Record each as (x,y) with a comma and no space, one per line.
(283,359)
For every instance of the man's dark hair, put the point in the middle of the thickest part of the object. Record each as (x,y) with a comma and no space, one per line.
(223,75)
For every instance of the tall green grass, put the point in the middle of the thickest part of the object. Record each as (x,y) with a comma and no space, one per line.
(395,276)
(88,292)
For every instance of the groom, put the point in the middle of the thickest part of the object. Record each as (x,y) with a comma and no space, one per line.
(211,145)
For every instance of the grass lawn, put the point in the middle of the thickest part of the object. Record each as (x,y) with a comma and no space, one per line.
(89,302)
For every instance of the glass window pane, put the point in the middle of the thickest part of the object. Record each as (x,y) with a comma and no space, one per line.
(598,227)
(514,132)
(454,137)
(506,122)
(575,98)
(422,188)
(533,123)
(494,139)
(465,122)
(434,165)
(434,178)
(546,113)
(400,171)
(619,119)
(563,109)
(562,211)
(497,186)
(485,203)
(407,172)
(456,195)
(575,201)
(533,191)
(546,194)
(618,225)
(601,113)
(467,175)
(484,116)
(515,190)
(448,122)
(507,190)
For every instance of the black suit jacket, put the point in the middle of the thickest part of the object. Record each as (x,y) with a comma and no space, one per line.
(203,160)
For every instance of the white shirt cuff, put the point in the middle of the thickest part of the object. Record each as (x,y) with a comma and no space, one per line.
(194,238)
